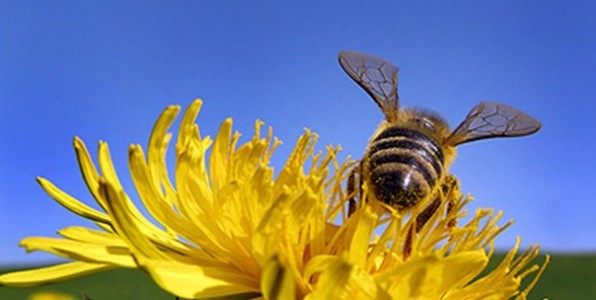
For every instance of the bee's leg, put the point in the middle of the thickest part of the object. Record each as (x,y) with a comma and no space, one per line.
(352,189)
(449,191)
(421,220)
(427,213)
(407,250)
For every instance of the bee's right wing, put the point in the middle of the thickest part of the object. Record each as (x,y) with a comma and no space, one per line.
(376,76)
(489,120)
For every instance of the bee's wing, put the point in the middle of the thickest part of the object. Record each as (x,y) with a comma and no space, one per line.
(376,76)
(488,120)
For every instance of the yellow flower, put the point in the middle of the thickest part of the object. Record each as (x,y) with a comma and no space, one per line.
(225,224)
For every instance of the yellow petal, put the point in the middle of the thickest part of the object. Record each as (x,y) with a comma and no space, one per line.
(158,144)
(89,235)
(129,227)
(81,251)
(277,282)
(187,126)
(362,236)
(71,203)
(220,156)
(429,277)
(89,171)
(50,296)
(164,212)
(51,274)
(267,235)
(504,281)
(193,281)
(336,278)
(459,269)
(334,274)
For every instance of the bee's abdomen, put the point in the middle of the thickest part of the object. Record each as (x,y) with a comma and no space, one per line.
(404,166)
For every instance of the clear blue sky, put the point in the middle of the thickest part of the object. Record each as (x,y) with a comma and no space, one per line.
(105,70)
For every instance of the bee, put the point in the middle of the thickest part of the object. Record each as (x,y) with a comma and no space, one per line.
(407,158)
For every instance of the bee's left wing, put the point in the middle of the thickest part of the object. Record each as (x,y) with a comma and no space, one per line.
(489,120)
(376,76)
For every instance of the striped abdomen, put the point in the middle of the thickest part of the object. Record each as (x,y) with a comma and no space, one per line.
(404,165)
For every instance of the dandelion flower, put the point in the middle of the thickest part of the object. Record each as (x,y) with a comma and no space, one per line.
(224,223)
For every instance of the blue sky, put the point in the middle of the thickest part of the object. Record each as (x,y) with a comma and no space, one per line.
(105,70)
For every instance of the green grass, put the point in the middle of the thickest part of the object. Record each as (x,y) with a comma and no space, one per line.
(566,277)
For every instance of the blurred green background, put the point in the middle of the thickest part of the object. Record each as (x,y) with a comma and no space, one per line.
(567,277)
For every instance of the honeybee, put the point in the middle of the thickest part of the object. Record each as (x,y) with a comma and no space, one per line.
(407,157)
